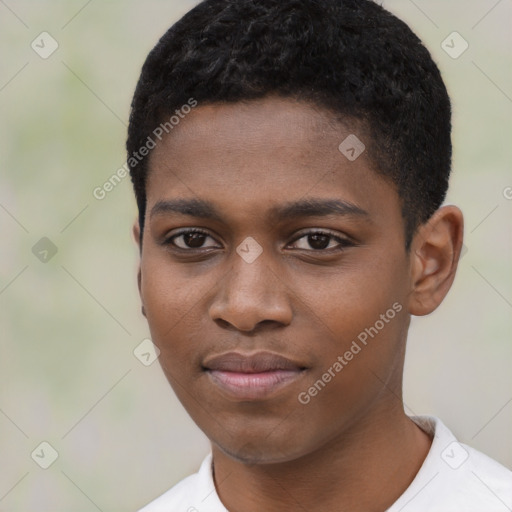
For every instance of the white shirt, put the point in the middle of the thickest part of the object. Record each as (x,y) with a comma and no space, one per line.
(453,478)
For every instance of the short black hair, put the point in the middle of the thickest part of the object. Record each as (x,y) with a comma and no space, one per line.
(351,57)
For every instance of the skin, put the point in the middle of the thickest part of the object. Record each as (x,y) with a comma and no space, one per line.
(351,448)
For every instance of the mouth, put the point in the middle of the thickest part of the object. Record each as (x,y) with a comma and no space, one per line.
(252,377)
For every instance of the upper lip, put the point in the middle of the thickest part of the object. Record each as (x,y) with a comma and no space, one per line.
(250,363)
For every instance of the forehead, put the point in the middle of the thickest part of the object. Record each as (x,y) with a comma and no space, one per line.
(260,153)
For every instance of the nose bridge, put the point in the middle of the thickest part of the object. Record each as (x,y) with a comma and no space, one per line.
(250,269)
(251,292)
(251,276)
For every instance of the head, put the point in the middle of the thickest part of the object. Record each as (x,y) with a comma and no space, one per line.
(289,160)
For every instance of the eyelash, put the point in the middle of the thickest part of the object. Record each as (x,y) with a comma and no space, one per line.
(343,242)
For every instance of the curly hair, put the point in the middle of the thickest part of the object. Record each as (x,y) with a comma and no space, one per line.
(351,57)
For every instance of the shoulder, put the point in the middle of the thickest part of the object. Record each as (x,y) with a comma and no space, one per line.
(485,480)
(193,494)
(455,477)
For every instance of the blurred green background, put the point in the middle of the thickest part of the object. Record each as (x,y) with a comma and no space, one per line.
(70,324)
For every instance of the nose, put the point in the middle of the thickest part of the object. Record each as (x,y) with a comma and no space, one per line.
(251,294)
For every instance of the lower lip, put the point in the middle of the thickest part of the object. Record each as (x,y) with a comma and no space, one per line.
(253,386)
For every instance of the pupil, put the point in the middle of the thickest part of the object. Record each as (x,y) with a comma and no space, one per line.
(194,239)
(318,241)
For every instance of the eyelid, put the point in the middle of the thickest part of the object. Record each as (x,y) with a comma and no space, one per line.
(343,240)
(322,231)
(169,240)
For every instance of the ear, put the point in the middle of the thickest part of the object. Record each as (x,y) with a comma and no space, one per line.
(136,233)
(136,236)
(435,252)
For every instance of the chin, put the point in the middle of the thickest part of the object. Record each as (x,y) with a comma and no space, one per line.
(250,454)
(252,449)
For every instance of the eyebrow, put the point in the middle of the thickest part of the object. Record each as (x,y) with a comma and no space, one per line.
(302,208)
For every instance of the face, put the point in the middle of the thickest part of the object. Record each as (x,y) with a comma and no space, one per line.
(274,277)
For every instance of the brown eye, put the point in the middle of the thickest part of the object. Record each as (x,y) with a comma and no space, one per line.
(190,239)
(194,239)
(317,241)
(321,241)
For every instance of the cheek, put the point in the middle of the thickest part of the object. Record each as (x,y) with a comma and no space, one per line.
(361,323)
(168,291)
(361,371)
(170,302)
(345,301)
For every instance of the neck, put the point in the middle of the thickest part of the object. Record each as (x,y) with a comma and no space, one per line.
(364,469)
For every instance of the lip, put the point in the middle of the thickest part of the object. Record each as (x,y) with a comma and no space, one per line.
(252,376)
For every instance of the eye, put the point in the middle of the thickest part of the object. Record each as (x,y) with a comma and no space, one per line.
(190,239)
(322,241)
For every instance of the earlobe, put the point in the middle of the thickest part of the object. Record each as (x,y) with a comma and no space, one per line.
(435,253)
